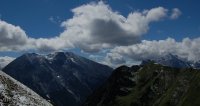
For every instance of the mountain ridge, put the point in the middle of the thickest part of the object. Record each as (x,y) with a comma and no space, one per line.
(63,78)
(14,93)
(148,85)
(174,61)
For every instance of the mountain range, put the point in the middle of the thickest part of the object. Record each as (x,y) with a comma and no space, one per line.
(64,78)
(174,61)
(150,84)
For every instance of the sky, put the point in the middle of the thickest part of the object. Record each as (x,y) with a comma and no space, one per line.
(112,32)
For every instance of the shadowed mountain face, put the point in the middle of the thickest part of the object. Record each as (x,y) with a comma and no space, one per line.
(64,78)
(148,85)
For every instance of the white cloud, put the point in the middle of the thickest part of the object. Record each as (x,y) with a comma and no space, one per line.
(187,49)
(48,45)
(175,13)
(96,26)
(51,19)
(114,59)
(156,14)
(11,37)
(5,61)
(55,19)
(93,27)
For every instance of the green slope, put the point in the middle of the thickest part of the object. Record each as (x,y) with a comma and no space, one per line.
(155,85)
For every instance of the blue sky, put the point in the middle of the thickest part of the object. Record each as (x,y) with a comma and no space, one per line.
(43,18)
(33,15)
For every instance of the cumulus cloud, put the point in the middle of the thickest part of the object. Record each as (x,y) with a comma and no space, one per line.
(187,49)
(11,37)
(96,26)
(55,19)
(14,38)
(93,27)
(5,61)
(48,45)
(175,13)
(114,59)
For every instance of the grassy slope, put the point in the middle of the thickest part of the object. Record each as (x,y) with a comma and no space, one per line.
(174,87)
